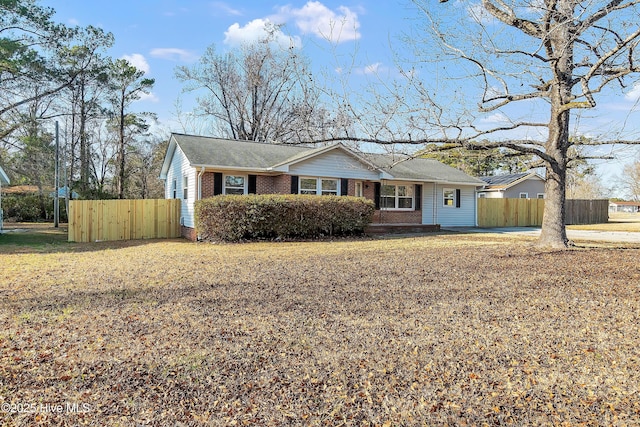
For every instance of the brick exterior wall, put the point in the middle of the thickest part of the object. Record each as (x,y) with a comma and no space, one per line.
(188,233)
(281,184)
(207,185)
(397,217)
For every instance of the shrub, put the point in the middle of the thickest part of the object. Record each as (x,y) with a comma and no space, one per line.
(269,216)
(29,208)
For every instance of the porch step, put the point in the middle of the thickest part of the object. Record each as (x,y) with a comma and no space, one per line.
(401,228)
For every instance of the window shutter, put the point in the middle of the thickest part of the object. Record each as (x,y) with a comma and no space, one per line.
(344,186)
(376,194)
(252,184)
(457,197)
(418,197)
(294,184)
(217,183)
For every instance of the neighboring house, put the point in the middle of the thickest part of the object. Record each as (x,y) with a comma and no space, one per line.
(406,191)
(4,180)
(528,185)
(633,207)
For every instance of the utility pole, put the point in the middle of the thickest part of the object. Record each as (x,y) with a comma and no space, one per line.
(56,197)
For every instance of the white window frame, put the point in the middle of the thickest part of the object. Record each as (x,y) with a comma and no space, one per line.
(452,197)
(244,183)
(174,189)
(185,187)
(397,197)
(523,195)
(317,189)
(482,195)
(540,196)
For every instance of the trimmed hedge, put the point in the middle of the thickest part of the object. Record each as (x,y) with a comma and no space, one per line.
(271,216)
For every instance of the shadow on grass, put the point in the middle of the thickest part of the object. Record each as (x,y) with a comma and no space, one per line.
(45,238)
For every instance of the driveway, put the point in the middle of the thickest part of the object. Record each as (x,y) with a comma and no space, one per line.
(575,235)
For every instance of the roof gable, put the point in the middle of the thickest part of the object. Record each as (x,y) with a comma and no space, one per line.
(502,182)
(247,155)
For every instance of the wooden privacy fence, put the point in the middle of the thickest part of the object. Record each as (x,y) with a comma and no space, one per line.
(528,212)
(97,220)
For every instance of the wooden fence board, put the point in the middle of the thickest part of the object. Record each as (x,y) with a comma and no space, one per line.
(529,212)
(98,220)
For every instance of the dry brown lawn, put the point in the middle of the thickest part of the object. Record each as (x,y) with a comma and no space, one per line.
(617,222)
(432,330)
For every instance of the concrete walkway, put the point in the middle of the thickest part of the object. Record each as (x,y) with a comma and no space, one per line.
(575,235)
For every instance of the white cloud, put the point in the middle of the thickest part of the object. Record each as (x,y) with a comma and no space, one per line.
(633,94)
(225,8)
(138,61)
(150,97)
(258,30)
(73,21)
(496,119)
(173,54)
(372,68)
(317,19)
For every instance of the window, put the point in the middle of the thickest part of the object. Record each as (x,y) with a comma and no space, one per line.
(524,195)
(319,186)
(540,196)
(308,186)
(482,195)
(234,184)
(449,197)
(329,187)
(185,187)
(174,188)
(396,197)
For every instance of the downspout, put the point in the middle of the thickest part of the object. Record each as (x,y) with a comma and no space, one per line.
(199,184)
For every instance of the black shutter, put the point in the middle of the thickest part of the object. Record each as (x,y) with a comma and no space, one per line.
(294,184)
(252,184)
(217,183)
(376,194)
(418,197)
(344,186)
(457,197)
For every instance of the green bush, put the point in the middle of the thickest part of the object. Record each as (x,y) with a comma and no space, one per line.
(29,208)
(271,216)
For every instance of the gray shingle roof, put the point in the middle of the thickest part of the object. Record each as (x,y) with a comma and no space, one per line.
(205,151)
(500,180)
(420,169)
(225,153)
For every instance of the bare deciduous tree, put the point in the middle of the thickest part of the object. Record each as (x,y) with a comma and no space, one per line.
(531,66)
(260,92)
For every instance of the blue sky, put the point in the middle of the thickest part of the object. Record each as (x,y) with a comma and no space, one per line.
(158,35)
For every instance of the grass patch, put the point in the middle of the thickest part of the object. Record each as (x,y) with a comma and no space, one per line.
(433,330)
(34,235)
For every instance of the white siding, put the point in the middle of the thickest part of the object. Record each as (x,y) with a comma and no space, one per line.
(434,211)
(334,164)
(177,170)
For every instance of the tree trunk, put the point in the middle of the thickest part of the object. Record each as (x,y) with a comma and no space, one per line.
(554,233)
(560,49)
